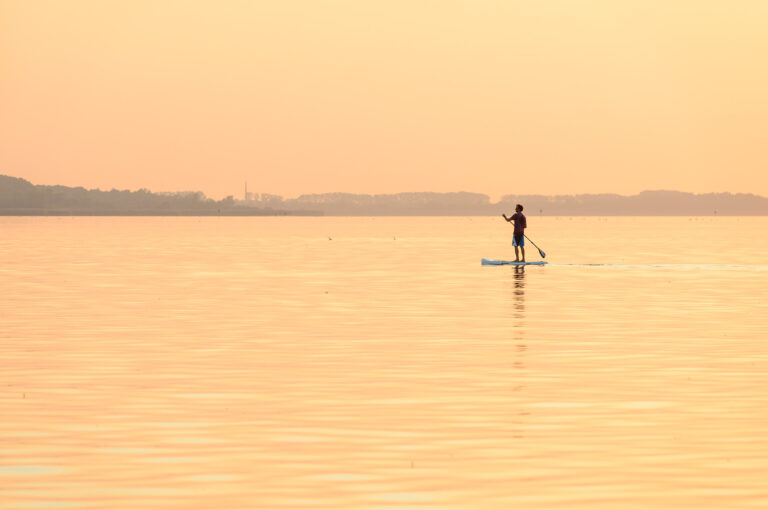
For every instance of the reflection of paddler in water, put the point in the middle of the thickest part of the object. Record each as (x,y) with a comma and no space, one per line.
(519,284)
(518,331)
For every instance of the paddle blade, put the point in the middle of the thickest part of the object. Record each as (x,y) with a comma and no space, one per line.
(541,252)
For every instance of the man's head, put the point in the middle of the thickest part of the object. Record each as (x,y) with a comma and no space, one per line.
(518,208)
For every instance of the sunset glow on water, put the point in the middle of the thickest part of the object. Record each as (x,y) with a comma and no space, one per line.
(371,363)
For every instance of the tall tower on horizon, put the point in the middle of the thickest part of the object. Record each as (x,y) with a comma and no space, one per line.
(245,197)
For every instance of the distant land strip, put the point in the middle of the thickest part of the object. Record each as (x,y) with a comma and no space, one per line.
(225,211)
(19,197)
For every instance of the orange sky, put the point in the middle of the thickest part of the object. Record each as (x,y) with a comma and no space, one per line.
(315,96)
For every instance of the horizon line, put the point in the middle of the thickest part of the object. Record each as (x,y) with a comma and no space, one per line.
(235,196)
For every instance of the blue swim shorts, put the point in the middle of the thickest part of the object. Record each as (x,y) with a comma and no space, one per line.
(518,240)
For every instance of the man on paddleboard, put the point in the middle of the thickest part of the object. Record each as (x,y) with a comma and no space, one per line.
(518,237)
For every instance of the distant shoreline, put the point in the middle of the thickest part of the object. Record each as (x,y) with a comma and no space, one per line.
(19,197)
(299,214)
(64,212)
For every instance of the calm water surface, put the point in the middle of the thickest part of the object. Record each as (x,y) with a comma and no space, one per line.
(373,363)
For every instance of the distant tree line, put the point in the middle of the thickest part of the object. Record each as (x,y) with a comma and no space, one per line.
(647,203)
(18,196)
(399,204)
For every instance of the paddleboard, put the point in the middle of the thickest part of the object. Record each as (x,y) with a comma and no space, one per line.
(487,262)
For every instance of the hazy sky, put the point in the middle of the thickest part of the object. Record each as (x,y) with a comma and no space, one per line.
(361,96)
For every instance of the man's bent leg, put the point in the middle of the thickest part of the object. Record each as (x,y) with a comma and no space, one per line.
(522,248)
(517,255)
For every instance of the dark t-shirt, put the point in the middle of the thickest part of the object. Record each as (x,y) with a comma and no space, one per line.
(520,223)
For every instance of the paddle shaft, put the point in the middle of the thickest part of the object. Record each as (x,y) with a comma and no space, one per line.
(541,252)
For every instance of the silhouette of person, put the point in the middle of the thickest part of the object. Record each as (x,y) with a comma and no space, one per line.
(518,237)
